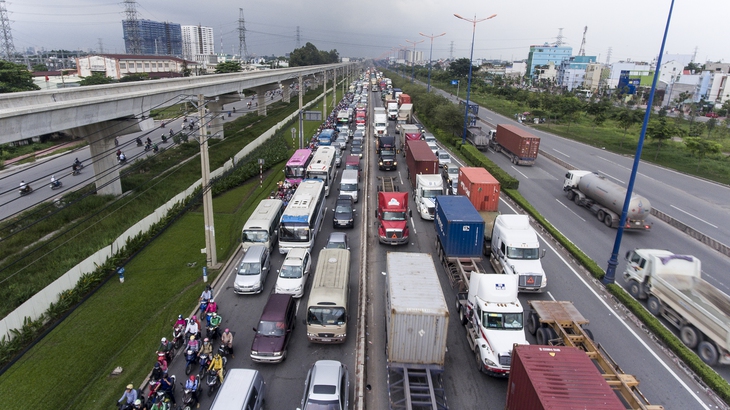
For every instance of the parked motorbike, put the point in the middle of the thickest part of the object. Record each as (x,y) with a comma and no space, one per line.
(57,184)
(190,361)
(25,191)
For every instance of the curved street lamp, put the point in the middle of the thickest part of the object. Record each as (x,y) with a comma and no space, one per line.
(430,54)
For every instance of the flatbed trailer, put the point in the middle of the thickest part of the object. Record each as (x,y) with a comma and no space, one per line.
(559,323)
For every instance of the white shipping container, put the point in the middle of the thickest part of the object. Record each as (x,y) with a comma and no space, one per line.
(417,315)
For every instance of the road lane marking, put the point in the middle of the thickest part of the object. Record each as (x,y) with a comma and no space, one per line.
(561,153)
(612,162)
(513,167)
(610,176)
(693,216)
(414,226)
(623,322)
(568,208)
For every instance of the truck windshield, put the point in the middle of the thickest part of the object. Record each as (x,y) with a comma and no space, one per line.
(326,316)
(523,253)
(430,193)
(387,152)
(255,236)
(493,320)
(394,216)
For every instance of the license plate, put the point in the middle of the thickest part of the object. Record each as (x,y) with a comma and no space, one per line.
(326,340)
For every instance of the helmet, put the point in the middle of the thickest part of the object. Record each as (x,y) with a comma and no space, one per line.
(192,377)
(157,365)
(227,330)
(164,340)
(192,337)
(160,355)
(211,300)
(130,387)
(215,314)
(191,320)
(206,340)
(207,287)
(179,316)
(137,402)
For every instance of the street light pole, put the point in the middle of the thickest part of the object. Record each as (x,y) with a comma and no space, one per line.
(413,58)
(474,22)
(430,54)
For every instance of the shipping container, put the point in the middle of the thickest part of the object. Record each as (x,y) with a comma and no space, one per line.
(557,378)
(417,317)
(518,144)
(420,159)
(459,227)
(480,187)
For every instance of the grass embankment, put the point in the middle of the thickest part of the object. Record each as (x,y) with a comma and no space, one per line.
(510,185)
(121,324)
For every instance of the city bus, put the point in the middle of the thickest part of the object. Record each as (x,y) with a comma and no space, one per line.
(302,218)
(262,226)
(296,167)
(323,167)
(327,304)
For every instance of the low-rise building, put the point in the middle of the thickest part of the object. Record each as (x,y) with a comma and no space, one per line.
(119,65)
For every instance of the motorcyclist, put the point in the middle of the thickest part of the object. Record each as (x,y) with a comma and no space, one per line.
(77,163)
(192,384)
(119,152)
(129,396)
(23,186)
(193,344)
(149,141)
(192,328)
(139,141)
(217,364)
(227,340)
(74,168)
(215,321)
(212,306)
(165,348)
(138,405)
(166,385)
(207,294)
(180,321)
(55,182)
(206,348)
(122,157)
(154,147)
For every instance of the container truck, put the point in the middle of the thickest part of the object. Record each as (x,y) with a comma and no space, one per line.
(515,250)
(478,138)
(482,189)
(404,99)
(419,159)
(386,150)
(380,123)
(675,290)
(392,213)
(559,323)
(606,199)
(428,187)
(392,106)
(519,145)
(405,114)
(417,321)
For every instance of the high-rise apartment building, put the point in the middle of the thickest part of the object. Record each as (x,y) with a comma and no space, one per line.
(156,38)
(198,43)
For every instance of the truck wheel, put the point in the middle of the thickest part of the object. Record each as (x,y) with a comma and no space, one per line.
(600,215)
(708,353)
(571,195)
(480,363)
(533,323)
(589,334)
(690,336)
(577,199)
(608,220)
(634,289)
(654,305)
(462,316)
(544,335)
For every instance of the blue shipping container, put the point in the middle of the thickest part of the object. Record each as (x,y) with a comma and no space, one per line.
(459,226)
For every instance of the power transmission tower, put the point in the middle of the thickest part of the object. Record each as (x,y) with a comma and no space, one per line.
(7,49)
(559,39)
(694,55)
(582,51)
(101,46)
(608,56)
(299,39)
(242,49)
(133,40)
(451,51)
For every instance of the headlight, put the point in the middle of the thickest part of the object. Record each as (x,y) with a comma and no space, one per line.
(395,162)
(489,363)
(277,353)
(254,352)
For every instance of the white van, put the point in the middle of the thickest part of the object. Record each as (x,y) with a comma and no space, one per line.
(348,184)
(242,389)
(262,227)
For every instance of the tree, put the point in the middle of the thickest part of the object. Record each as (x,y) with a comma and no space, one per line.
(309,55)
(710,125)
(626,118)
(39,67)
(449,118)
(96,79)
(228,67)
(15,78)
(185,71)
(134,77)
(660,130)
(460,67)
(701,147)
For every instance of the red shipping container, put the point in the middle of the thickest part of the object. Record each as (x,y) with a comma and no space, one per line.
(557,378)
(519,142)
(420,159)
(480,187)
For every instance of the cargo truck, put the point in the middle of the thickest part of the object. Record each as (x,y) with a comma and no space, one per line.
(419,159)
(515,250)
(482,189)
(417,321)
(519,145)
(478,138)
(428,187)
(392,213)
(386,150)
(380,123)
(404,99)
(405,114)
(675,290)
(606,199)
(392,107)
(559,323)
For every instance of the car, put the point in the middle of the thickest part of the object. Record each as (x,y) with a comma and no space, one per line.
(356,150)
(338,240)
(428,137)
(344,213)
(338,158)
(357,142)
(274,329)
(327,386)
(252,270)
(712,115)
(358,134)
(443,157)
(341,141)
(294,272)
(433,147)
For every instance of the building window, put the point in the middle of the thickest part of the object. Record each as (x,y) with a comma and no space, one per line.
(123,66)
(154,65)
(167,65)
(147,66)
(139,65)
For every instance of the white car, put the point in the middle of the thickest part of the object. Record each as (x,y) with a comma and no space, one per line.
(294,272)
(433,147)
(444,158)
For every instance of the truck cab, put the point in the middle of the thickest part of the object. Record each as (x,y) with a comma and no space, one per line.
(515,250)
(428,187)
(386,153)
(392,214)
(572,178)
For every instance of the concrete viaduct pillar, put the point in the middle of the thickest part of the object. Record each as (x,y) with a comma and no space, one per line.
(261,97)
(103,151)
(218,112)
(286,90)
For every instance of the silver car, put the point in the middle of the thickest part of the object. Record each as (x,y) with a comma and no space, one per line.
(327,387)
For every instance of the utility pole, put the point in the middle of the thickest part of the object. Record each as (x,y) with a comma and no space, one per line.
(101,46)
(413,58)
(210,250)
(7,49)
(301,113)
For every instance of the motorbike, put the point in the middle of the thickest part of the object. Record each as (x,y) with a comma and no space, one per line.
(147,147)
(139,142)
(127,406)
(177,336)
(122,160)
(155,148)
(56,184)
(157,395)
(190,361)
(212,381)
(75,171)
(204,362)
(79,165)
(224,350)
(188,399)
(156,372)
(211,331)
(203,306)
(25,191)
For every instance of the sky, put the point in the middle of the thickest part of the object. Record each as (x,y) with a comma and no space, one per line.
(632,30)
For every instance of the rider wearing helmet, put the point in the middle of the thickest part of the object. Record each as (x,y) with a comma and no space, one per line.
(212,306)
(215,322)
(206,348)
(217,364)
(165,348)
(138,405)
(207,294)
(130,395)
(227,340)
(180,321)
(193,344)
(167,385)
(192,385)
(192,327)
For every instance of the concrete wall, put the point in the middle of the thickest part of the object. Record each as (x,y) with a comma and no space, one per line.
(37,305)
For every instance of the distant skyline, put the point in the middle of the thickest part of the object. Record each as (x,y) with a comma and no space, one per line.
(632,29)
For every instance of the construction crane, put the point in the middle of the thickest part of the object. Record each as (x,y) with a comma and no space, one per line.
(582,51)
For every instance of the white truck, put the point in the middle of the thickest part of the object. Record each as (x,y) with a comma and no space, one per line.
(606,199)
(515,250)
(393,110)
(674,290)
(405,114)
(494,320)
(428,187)
(380,123)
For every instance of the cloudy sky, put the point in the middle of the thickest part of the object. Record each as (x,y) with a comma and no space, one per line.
(632,29)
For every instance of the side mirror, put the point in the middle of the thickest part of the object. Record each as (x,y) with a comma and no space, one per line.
(544,251)
(254,329)
(410,212)
(628,254)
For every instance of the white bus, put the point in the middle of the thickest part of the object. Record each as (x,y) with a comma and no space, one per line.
(327,304)
(302,217)
(322,167)
(263,225)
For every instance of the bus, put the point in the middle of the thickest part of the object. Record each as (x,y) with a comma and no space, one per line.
(323,167)
(263,225)
(326,137)
(296,167)
(302,218)
(327,304)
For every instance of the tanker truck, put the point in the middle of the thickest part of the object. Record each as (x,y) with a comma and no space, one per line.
(606,199)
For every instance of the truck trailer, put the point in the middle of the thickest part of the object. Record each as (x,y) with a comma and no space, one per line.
(519,145)
(419,159)
(606,199)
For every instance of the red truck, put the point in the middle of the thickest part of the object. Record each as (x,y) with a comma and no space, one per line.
(420,159)
(517,144)
(392,213)
(404,99)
